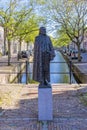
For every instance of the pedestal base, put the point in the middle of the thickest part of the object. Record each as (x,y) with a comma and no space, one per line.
(45,107)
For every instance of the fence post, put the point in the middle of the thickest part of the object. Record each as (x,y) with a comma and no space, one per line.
(70,70)
(19,72)
(26,72)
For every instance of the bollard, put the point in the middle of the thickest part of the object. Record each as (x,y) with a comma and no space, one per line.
(26,72)
(70,70)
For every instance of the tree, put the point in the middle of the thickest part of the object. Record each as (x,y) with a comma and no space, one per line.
(26,30)
(7,22)
(62,38)
(11,19)
(71,15)
(18,21)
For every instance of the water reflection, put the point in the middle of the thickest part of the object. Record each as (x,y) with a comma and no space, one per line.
(23,78)
(30,69)
(60,70)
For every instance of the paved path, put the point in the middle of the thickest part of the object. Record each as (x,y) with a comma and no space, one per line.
(68,111)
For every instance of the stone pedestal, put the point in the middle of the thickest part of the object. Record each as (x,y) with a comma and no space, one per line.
(45,107)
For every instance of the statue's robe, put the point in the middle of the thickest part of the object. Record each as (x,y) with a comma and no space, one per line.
(43,54)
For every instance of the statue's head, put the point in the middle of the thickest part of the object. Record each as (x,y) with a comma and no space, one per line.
(42,30)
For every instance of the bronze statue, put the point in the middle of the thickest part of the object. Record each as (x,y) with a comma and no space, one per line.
(43,54)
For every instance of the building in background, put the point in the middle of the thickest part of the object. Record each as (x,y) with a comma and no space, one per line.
(14,44)
(1,40)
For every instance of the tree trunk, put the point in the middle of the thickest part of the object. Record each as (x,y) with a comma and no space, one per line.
(5,41)
(27,45)
(19,45)
(79,53)
(9,52)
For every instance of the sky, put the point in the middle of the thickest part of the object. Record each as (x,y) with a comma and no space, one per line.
(4,3)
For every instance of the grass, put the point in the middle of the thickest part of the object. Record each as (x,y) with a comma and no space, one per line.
(9,95)
(5,98)
(33,81)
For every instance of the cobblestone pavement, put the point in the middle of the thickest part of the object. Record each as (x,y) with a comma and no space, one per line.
(68,111)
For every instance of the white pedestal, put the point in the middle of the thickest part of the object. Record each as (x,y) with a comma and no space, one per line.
(45,107)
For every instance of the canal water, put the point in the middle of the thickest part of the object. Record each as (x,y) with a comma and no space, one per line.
(59,71)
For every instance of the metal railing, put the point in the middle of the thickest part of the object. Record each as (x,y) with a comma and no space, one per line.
(22,68)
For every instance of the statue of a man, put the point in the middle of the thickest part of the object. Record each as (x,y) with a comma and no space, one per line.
(43,54)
